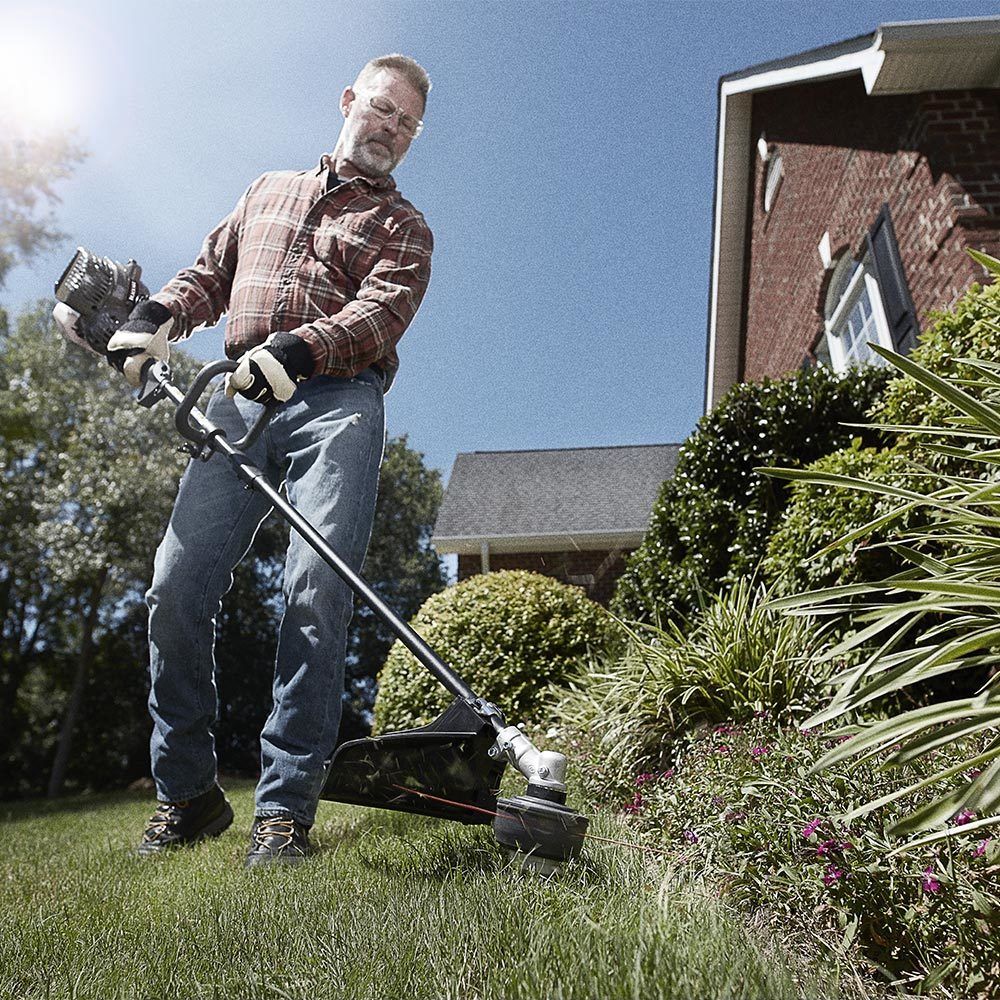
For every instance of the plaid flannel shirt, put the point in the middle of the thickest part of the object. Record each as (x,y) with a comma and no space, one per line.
(345,270)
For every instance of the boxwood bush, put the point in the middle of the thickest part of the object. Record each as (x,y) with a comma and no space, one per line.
(507,634)
(713,519)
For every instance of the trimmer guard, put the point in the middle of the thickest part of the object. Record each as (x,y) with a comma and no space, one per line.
(447,758)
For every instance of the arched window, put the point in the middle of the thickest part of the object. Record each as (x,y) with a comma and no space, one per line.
(855,317)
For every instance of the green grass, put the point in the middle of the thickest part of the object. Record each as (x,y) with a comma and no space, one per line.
(391,907)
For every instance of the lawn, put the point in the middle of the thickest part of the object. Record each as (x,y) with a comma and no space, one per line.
(391,906)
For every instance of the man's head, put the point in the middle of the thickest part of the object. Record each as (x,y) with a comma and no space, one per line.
(383,114)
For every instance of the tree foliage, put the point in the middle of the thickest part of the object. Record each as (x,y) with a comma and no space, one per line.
(29,170)
(87,488)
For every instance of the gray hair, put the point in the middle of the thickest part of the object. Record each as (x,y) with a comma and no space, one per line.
(410,69)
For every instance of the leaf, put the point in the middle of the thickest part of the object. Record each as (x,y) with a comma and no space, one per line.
(986,415)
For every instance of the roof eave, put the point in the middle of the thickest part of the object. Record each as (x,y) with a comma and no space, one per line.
(583,541)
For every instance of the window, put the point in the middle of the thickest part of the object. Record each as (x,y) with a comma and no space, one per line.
(855,316)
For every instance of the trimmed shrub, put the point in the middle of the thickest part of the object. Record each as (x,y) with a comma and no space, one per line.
(738,804)
(739,658)
(713,519)
(818,514)
(507,634)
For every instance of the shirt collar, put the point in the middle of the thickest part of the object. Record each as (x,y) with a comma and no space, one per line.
(378,183)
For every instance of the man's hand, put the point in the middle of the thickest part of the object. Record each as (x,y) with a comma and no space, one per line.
(269,373)
(142,338)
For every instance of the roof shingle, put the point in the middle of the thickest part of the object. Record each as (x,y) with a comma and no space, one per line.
(564,491)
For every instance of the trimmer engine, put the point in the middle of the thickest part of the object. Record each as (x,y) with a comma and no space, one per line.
(97,295)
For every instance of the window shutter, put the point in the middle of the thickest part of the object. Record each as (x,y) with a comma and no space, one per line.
(888,268)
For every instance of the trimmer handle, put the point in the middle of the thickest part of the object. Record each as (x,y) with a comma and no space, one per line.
(182,417)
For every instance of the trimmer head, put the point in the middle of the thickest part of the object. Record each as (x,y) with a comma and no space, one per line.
(540,831)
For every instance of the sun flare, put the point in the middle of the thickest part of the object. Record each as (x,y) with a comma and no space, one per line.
(38,92)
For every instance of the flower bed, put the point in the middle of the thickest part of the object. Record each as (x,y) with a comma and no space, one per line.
(740,804)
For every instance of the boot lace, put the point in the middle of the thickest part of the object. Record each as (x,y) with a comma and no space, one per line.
(165,816)
(274,826)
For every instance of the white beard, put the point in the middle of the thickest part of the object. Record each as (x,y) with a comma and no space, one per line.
(372,159)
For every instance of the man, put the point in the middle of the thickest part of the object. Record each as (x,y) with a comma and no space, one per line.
(321,272)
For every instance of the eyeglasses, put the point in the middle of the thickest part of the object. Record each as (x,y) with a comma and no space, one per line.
(384,108)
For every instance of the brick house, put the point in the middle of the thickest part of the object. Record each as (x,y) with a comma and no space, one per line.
(849,181)
(571,513)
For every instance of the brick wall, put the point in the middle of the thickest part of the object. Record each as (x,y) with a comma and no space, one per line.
(597,572)
(935,158)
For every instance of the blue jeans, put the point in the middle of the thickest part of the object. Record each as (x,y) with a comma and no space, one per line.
(326,444)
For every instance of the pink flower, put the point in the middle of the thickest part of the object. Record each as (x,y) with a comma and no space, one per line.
(757,752)
(635,805)
(641,779)
(929,883)
(832,874)
(722,748)
(724,729)
(810,828)
(690,836)
(981,849)
(831,846)
(965,816)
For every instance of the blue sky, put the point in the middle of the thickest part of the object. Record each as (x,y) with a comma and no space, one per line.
(566,170)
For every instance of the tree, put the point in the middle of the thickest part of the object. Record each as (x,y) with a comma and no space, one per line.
(87,481)
(29,170)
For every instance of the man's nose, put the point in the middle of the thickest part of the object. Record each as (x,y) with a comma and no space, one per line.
(391,124)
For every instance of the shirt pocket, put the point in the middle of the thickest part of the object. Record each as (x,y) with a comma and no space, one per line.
(349,247)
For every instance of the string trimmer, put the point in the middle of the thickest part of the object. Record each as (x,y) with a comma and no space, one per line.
(450,768)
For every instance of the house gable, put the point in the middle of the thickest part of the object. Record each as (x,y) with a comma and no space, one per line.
(917,78)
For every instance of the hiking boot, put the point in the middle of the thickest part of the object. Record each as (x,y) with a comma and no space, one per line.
(278,840)
(177,823)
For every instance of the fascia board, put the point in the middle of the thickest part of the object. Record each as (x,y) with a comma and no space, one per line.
(582,541)
(731,177)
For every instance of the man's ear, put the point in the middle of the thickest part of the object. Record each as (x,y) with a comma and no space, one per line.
(346,99)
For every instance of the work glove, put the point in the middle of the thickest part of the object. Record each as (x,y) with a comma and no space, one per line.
(66,319)
(140,339)
(269,374)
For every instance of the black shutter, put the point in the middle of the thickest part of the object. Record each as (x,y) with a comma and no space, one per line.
(888,268)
